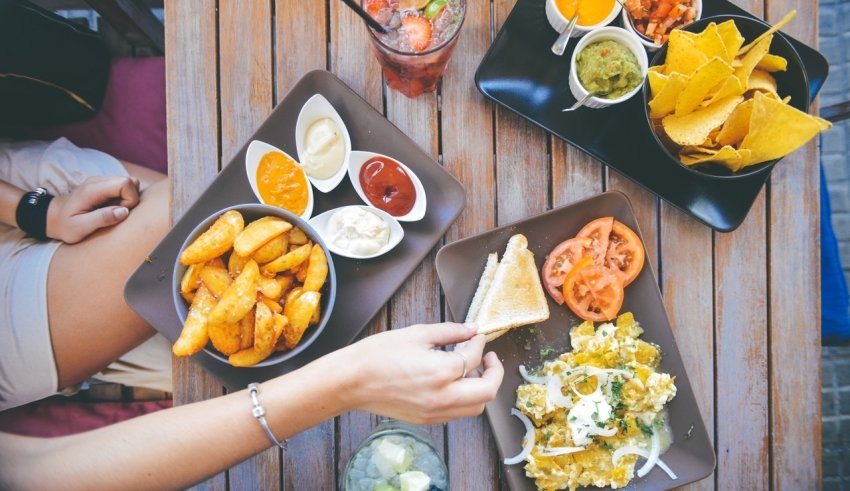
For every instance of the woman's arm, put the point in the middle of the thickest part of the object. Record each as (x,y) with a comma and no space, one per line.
(10,196)
(396,374)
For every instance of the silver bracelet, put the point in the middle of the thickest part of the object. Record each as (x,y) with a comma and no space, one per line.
(260,414)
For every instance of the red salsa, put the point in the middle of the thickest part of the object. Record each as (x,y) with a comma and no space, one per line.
(387,186)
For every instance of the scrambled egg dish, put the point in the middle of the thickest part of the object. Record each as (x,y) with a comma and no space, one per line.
(596,409)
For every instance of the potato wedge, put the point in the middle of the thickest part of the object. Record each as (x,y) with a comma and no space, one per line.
(248,357)
(263,328)
(235,264)
(271,250)
(246,328)
(216,278)
(288,261)
(225,337)
(257,233)
(194,335)
(239,297)
(271,304)
(216,240)
(317,269)
(270,287)
(297,236)
(191,279)
(299,312)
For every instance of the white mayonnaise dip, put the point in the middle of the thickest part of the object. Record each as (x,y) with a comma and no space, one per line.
(588,417)
(358,231)
(325,149)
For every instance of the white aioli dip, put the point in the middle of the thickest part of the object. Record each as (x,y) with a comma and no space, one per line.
(358,231)
(585,415)
(325,149)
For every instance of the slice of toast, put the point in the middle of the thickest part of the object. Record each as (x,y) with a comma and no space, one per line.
(513,297)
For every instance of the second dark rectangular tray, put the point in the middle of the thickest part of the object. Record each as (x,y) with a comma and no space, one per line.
(364,285)
(521,73)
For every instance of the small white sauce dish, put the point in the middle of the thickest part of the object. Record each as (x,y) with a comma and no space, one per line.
(622,36)
(559,22)
(256,151)
(648,43)
(356,162)
(315,109)
(322,225)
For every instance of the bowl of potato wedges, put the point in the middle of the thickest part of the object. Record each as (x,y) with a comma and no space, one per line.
(253,285)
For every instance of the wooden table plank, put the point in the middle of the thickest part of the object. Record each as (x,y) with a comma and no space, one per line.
(794,285)
(467,145)
(193,149)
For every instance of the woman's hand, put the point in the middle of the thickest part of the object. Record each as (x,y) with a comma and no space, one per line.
(400,374)
(97,203)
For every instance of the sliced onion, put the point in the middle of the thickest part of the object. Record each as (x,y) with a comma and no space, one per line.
(628,449)
(532,379)
(528,440)
(554,451)
(554,394)
(603,431)
(653,455)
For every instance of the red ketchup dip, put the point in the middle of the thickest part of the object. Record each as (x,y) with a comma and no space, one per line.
(387,186)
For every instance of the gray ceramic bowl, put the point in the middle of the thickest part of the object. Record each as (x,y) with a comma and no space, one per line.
(251,212)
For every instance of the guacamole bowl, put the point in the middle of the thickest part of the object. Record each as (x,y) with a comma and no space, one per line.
(624,39)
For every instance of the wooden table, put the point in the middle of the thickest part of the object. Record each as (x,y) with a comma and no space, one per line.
(744,305)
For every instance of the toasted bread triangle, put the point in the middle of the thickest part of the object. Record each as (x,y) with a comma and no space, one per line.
(514,297)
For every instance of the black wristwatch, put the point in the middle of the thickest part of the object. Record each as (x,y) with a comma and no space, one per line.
(31,213)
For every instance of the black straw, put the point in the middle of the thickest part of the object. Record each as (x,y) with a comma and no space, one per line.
(368,18)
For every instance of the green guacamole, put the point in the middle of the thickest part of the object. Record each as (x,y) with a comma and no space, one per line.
(609,69)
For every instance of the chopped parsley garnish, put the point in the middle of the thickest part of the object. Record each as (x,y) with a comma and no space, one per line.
(528,404)
(624,425)
(645,429)
(690,433)
(607,446)
(659,423)
(616,392)
(547,434)
(604,333)
(547,351)
(572,419)
(600,424)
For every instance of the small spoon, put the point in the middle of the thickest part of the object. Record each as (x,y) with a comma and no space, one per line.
(580,102)
(560,44)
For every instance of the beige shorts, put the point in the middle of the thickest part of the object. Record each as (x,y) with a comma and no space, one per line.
(27,366)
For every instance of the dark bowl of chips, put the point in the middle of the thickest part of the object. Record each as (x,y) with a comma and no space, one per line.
(727,97)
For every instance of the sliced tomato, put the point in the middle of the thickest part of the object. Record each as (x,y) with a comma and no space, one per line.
(561,260)
(598,231)
(625,254)
(593,292)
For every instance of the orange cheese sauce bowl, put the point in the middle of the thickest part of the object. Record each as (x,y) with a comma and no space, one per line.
(590,13)
(277,179)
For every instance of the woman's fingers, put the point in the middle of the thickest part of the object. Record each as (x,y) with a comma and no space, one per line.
(479,390)
(123,191)
(442,334)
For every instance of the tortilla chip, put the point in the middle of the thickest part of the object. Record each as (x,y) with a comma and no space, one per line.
(731,86)
(751,59)
(732,38)
(694,128)
(768,33)
(711,43)
(761,80)
(772,63)
(777,129)
(664,102)
(712,73)
(657,81)
(682,54)
(737,125)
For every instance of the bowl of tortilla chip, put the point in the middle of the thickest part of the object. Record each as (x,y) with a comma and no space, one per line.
(727,96)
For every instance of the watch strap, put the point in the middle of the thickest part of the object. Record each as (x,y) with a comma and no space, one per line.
(31,213)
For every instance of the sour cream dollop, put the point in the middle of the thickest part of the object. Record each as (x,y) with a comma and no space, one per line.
(325,149)
(358,231)
(588,417)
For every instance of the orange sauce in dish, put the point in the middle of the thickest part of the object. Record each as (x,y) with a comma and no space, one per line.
(282,182)
(590,12)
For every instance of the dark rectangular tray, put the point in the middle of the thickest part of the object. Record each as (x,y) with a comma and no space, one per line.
(521,73)
(364,285)
(459,266)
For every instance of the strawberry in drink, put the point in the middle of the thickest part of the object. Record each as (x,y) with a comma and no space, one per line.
(421,38)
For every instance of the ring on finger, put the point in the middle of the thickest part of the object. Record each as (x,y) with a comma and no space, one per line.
(465,362)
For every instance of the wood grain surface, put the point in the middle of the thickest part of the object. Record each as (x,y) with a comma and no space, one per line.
(744,305)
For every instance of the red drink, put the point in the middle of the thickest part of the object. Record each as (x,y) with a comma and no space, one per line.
(422,36)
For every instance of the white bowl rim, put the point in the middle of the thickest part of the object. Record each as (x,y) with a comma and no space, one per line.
(301,126)
(320,221)
(359,157)
(251,164)
(580,29)
(634,46)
